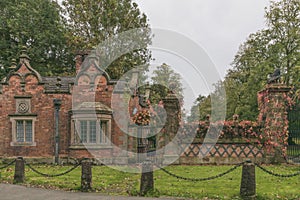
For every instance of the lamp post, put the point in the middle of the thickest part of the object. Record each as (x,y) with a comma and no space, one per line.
(57,104)
(142,102)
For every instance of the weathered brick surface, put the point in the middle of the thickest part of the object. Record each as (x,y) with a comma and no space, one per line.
(26,83)
(42,106)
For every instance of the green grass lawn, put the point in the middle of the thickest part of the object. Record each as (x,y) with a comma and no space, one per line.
(113,182)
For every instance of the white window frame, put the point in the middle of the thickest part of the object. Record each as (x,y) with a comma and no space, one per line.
(75,131)
(14,130)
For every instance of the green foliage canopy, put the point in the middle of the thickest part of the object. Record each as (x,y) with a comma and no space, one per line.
(36,24)
(91,22)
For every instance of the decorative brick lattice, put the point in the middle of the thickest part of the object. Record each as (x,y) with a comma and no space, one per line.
(238,150)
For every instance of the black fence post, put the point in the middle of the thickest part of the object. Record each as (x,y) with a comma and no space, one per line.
(19,176)
(86,175)
(147,182)
(248,184)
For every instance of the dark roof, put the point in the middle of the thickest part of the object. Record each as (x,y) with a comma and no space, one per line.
(58,84)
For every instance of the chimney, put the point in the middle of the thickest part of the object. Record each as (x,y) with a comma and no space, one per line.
(79,58)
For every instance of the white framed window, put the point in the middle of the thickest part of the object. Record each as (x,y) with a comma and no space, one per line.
(23,130)
(103,132)
(88,131)
(91,132)
(91,126)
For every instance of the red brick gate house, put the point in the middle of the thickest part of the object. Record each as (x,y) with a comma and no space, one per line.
(62,117)
(28,104)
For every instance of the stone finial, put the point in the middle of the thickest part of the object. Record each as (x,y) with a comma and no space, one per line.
(58,83)
(207,118)
(24,56)
(235,117)
(13,64)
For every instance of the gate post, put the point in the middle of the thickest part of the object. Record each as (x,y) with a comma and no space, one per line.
(273,117)
(173,110)
(19,176)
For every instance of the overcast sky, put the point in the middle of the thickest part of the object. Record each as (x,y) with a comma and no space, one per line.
(219,26)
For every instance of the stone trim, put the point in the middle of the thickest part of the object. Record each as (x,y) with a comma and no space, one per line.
(23,115)
(13,120)
(23,97)
(89,146)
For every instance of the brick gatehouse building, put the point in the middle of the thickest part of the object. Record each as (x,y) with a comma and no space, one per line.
(39,117)
(56,118)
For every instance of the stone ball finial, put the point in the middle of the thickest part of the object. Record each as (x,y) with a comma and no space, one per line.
(13,64)
(24,54)
(207,117)
(24,48)
(235,117)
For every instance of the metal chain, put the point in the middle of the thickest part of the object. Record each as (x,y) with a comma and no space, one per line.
(53,175)
(275,174)
(7,165)
(201,179)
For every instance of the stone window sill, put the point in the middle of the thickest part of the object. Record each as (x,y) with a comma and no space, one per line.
(25,144)
(90,146)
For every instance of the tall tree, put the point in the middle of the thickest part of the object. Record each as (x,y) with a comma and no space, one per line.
(91,22)
(36,24)
(165,79)
(277,46)
(283,21)
(199,109)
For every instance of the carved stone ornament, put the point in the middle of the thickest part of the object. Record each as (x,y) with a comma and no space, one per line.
(23,107)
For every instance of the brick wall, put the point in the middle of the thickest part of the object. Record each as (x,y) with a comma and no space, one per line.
(25,82)
(41,105)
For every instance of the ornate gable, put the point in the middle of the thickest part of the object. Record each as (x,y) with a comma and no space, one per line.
(90,71)
(23,69)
